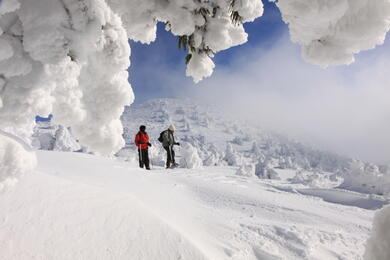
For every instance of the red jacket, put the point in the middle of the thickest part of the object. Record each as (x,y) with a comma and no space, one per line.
(141,140)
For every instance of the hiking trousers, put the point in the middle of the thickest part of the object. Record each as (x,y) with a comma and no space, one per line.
(143,158)
(170,155)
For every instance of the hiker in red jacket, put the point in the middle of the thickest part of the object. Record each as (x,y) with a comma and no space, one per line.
(142,142)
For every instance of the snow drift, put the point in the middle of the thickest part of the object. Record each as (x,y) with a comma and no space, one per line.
(16,157)
(82,206)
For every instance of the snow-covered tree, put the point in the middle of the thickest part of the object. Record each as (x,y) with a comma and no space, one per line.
(232,157)
(69,58)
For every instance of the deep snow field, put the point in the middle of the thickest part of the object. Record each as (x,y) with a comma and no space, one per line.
(240,193)
(80,206)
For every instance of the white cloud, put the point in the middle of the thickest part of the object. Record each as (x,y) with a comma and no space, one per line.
(343,109)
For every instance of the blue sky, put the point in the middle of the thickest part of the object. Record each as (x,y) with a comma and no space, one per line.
(164,54)
(343,109)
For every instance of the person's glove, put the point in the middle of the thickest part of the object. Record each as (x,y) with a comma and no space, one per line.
(177,143)
(149,144)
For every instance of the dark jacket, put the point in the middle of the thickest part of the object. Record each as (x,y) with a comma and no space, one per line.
(168,138)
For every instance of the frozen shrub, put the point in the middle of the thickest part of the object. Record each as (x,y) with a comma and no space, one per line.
(211,156)
(189,157)
(255,149)
(54,137)
(65,141)
(264,171)
(231,156)
(366,178)
(157,155)
(316,179)
(247,170)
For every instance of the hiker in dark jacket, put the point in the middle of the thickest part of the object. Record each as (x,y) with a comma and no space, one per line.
(142,142)
(168,141)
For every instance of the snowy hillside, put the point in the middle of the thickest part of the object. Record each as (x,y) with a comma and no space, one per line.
(241,193)
(217,139)
(81,206)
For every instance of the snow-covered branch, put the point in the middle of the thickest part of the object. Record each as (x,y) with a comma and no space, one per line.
(331,32)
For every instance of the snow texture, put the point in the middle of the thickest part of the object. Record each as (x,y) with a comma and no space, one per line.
(209,214)
(331,32)
(378,245)
(16,157)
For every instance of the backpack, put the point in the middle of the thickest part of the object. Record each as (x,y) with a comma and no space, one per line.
(160,138)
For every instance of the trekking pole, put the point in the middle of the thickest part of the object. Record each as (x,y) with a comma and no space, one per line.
(170,152)
(150,160)
(140,156)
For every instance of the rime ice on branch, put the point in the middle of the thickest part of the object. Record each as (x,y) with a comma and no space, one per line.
(331,32)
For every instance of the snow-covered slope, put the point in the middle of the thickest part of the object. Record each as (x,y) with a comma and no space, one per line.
(220,139)
(247,194)
(80,206)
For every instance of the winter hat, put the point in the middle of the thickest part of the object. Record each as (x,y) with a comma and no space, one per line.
(172,128)
(142,128)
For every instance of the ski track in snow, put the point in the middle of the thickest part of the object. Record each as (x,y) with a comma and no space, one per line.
(79,206)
